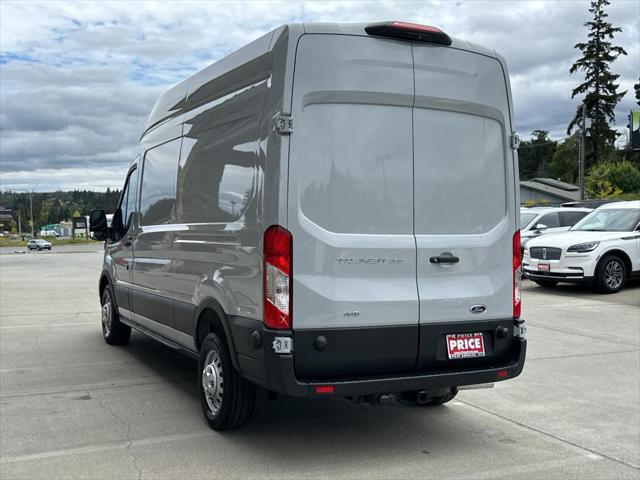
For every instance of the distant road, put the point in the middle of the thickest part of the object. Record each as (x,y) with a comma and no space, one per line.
(74,248)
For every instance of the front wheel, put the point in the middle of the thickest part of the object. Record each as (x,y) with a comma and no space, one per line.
(113,330)
(227,399)
(611,274)
(546,283)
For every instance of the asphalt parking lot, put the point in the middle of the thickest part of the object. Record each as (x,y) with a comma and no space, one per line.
(74,407)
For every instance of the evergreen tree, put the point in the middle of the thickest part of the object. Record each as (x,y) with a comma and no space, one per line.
(636,87)
(599,88)
(534,155)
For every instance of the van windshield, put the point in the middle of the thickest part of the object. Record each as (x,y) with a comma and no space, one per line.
(609,220)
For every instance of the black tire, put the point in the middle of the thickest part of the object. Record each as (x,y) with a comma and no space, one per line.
(230,401)
(611,274)
(114,331)
(412,398)
(39,249)
(547,283)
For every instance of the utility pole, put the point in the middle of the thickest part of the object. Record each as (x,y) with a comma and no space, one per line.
(19,227)
(585,123)
(31,208)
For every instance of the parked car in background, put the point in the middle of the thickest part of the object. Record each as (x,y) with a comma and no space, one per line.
(38,244)
(49,233)
(602,250)
(538,221)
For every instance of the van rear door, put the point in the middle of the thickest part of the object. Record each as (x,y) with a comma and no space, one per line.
(464,199)
(350,211)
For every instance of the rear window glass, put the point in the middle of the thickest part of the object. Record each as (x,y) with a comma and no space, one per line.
(460,178)
(356,168)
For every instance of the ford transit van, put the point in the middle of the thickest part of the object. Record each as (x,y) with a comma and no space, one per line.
(330,211)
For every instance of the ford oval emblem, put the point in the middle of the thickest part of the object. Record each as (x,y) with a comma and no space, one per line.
(477,308)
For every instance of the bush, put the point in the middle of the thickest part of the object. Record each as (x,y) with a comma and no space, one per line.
(608,179)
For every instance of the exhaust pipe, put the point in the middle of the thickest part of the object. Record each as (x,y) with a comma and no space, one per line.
(476,387)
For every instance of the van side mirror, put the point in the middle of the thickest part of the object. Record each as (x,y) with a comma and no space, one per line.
(98,228)
(541,227)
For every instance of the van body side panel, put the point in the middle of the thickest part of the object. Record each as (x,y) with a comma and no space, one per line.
(216,248)
(152,243)
(351,203)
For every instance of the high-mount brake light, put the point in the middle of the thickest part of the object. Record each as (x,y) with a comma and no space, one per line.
(517,275)
(277,277)
(409,31)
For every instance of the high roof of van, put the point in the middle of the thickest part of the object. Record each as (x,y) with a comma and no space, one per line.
(183,95)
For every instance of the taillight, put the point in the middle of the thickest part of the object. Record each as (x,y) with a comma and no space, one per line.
(277,277)
(409,31)
(517,275)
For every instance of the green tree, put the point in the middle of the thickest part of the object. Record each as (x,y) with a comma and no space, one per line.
(636,87)
(534,155)
(52,207)
(599,87)
(564,163)
(611,178)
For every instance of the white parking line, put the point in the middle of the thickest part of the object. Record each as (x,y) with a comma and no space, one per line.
(104,447)
(50,325)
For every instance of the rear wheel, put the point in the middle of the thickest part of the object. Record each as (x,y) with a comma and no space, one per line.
(611,274)
(546,283)
(113,330)
(227,399)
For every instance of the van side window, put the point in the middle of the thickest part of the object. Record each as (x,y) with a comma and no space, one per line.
(127,200)
(217,172)
(158,194)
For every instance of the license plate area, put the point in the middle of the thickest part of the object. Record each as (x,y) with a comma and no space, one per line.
(465,345)
(543,267)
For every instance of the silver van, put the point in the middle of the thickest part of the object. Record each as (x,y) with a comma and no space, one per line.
(330,211)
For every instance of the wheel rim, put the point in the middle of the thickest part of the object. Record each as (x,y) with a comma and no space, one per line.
(106,317)
(613,274)
(212,381)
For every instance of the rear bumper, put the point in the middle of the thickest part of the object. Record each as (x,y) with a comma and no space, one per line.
(286,382)
(558,276)
(571,267)
(277,372)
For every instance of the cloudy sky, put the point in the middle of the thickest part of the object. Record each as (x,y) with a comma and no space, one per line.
(77,80)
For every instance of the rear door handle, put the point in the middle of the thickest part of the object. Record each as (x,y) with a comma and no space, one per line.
(444,258)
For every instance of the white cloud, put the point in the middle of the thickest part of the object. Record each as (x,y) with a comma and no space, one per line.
(77,80)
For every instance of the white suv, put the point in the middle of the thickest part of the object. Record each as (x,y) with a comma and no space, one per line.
(538,221)
(603,250)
